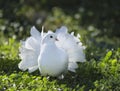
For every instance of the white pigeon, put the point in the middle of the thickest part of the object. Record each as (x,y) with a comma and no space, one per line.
(52,53)
(52,60)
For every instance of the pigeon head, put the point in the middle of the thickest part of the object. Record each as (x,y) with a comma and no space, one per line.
(49,38)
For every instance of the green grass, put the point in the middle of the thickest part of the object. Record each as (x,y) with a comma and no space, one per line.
(102,74)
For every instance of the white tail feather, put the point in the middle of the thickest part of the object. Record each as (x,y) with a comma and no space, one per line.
(34,32)
(42,32)
(32,69)
(29,51)
(73,47)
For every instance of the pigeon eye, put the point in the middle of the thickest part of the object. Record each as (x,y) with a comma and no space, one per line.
(51,36)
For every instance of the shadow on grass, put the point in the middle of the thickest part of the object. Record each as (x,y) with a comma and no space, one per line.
(8,66)
(84,78)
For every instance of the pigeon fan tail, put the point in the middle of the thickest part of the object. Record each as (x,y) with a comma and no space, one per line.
(73,47)
(29,51)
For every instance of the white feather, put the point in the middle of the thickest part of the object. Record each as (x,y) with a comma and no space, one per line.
(63,29)
(29,51)
(35,33)
(72,45)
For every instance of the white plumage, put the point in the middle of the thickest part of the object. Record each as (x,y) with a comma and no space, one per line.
(50,56)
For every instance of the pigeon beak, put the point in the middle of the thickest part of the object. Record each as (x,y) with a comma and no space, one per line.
(56,39)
